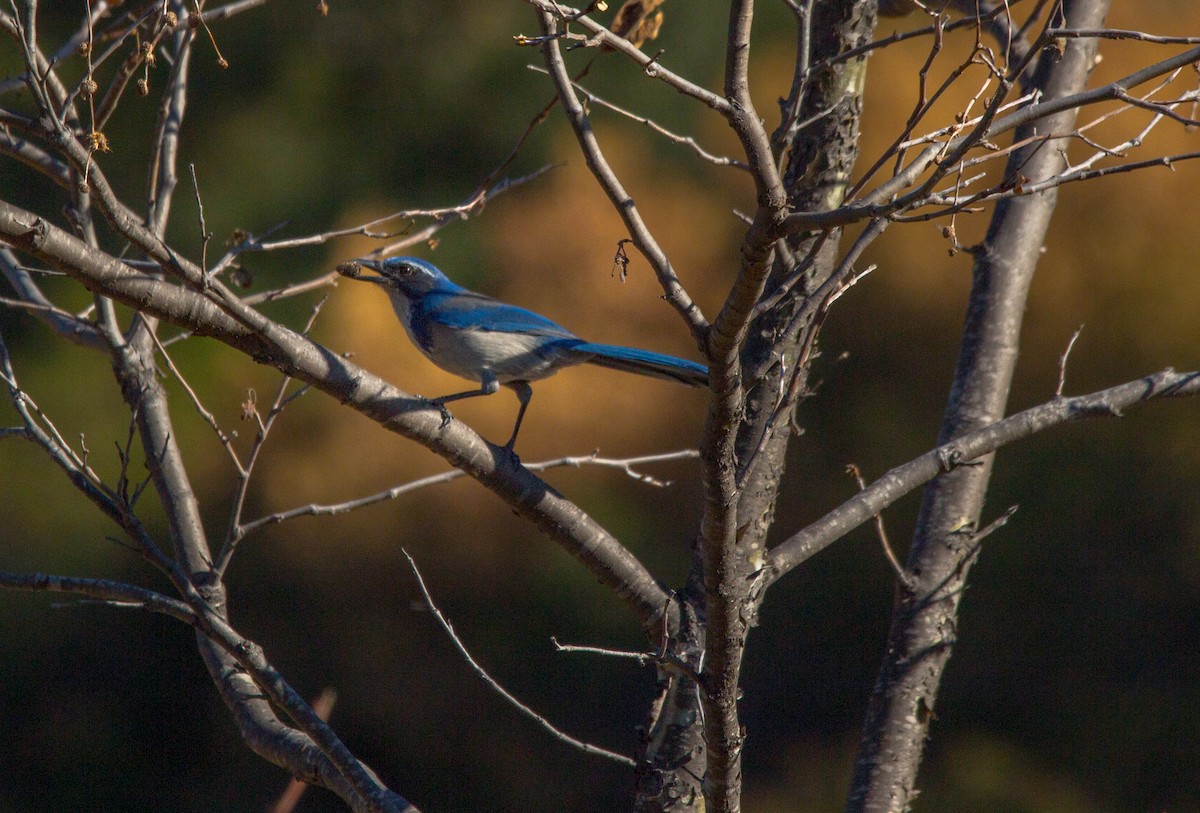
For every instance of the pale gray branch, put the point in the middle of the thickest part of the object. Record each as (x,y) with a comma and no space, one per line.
(909,476)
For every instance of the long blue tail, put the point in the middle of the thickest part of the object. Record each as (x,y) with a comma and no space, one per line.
(644,362)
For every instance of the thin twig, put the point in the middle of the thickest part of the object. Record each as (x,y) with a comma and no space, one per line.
(641,657)
(205,234)
(235,531)
(931,30)
(626,465)
(209,418)
(976,538)
(880,531)
(995,525)
(229,9)
(165,140)
(1118,34)
(1007,191)
(687,141)
(1163,108)
(935,135)
(440,217)
(602,36)
(1062,363)
(49,438)
(587,748)
(811,317)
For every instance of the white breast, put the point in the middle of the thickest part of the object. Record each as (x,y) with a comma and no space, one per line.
(473,354)
(481,355)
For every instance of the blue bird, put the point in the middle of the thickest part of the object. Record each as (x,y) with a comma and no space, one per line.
(485,340)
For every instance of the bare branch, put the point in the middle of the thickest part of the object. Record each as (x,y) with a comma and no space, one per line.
(225,440)
(641,657)
(441,218)
(789,124)
(268,342)
(1114,169)
(601,36)
(1118,34)
(107,591)
(676,295)
(235,530)
(887,198)
(295,789)
(1027,189)
(41,430)
(31,155)
(194,611)
(929,31)
(993,526)
(687,141)
(881,532)
(136,59)
(163,177)
(546,725)
(905,478)
(67,325)
(627,465)
(1164,108)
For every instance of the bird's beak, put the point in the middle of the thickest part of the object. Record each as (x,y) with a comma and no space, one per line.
(353,270)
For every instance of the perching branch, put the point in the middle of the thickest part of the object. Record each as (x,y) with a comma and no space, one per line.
(239,326)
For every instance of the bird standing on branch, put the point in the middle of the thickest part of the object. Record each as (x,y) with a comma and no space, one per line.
(485,340)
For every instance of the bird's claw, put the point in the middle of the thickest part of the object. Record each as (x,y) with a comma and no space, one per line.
(513,456)
(446,416)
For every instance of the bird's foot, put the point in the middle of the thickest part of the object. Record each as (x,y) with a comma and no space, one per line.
(513,456)
(446,416)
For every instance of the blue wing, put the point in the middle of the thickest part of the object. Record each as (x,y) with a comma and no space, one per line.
(467,310)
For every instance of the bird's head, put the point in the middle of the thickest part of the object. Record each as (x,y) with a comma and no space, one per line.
(404,275)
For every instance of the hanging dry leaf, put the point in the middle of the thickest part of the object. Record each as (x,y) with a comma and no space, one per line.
(638,21)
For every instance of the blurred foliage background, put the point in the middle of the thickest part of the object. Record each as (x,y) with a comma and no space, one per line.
(1076,683)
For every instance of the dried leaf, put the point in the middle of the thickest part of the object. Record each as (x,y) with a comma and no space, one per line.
(637,21)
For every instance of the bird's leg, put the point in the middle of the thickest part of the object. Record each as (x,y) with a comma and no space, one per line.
(488,386)
(524,393)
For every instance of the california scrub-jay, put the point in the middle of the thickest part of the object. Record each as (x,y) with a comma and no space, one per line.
(485,340)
